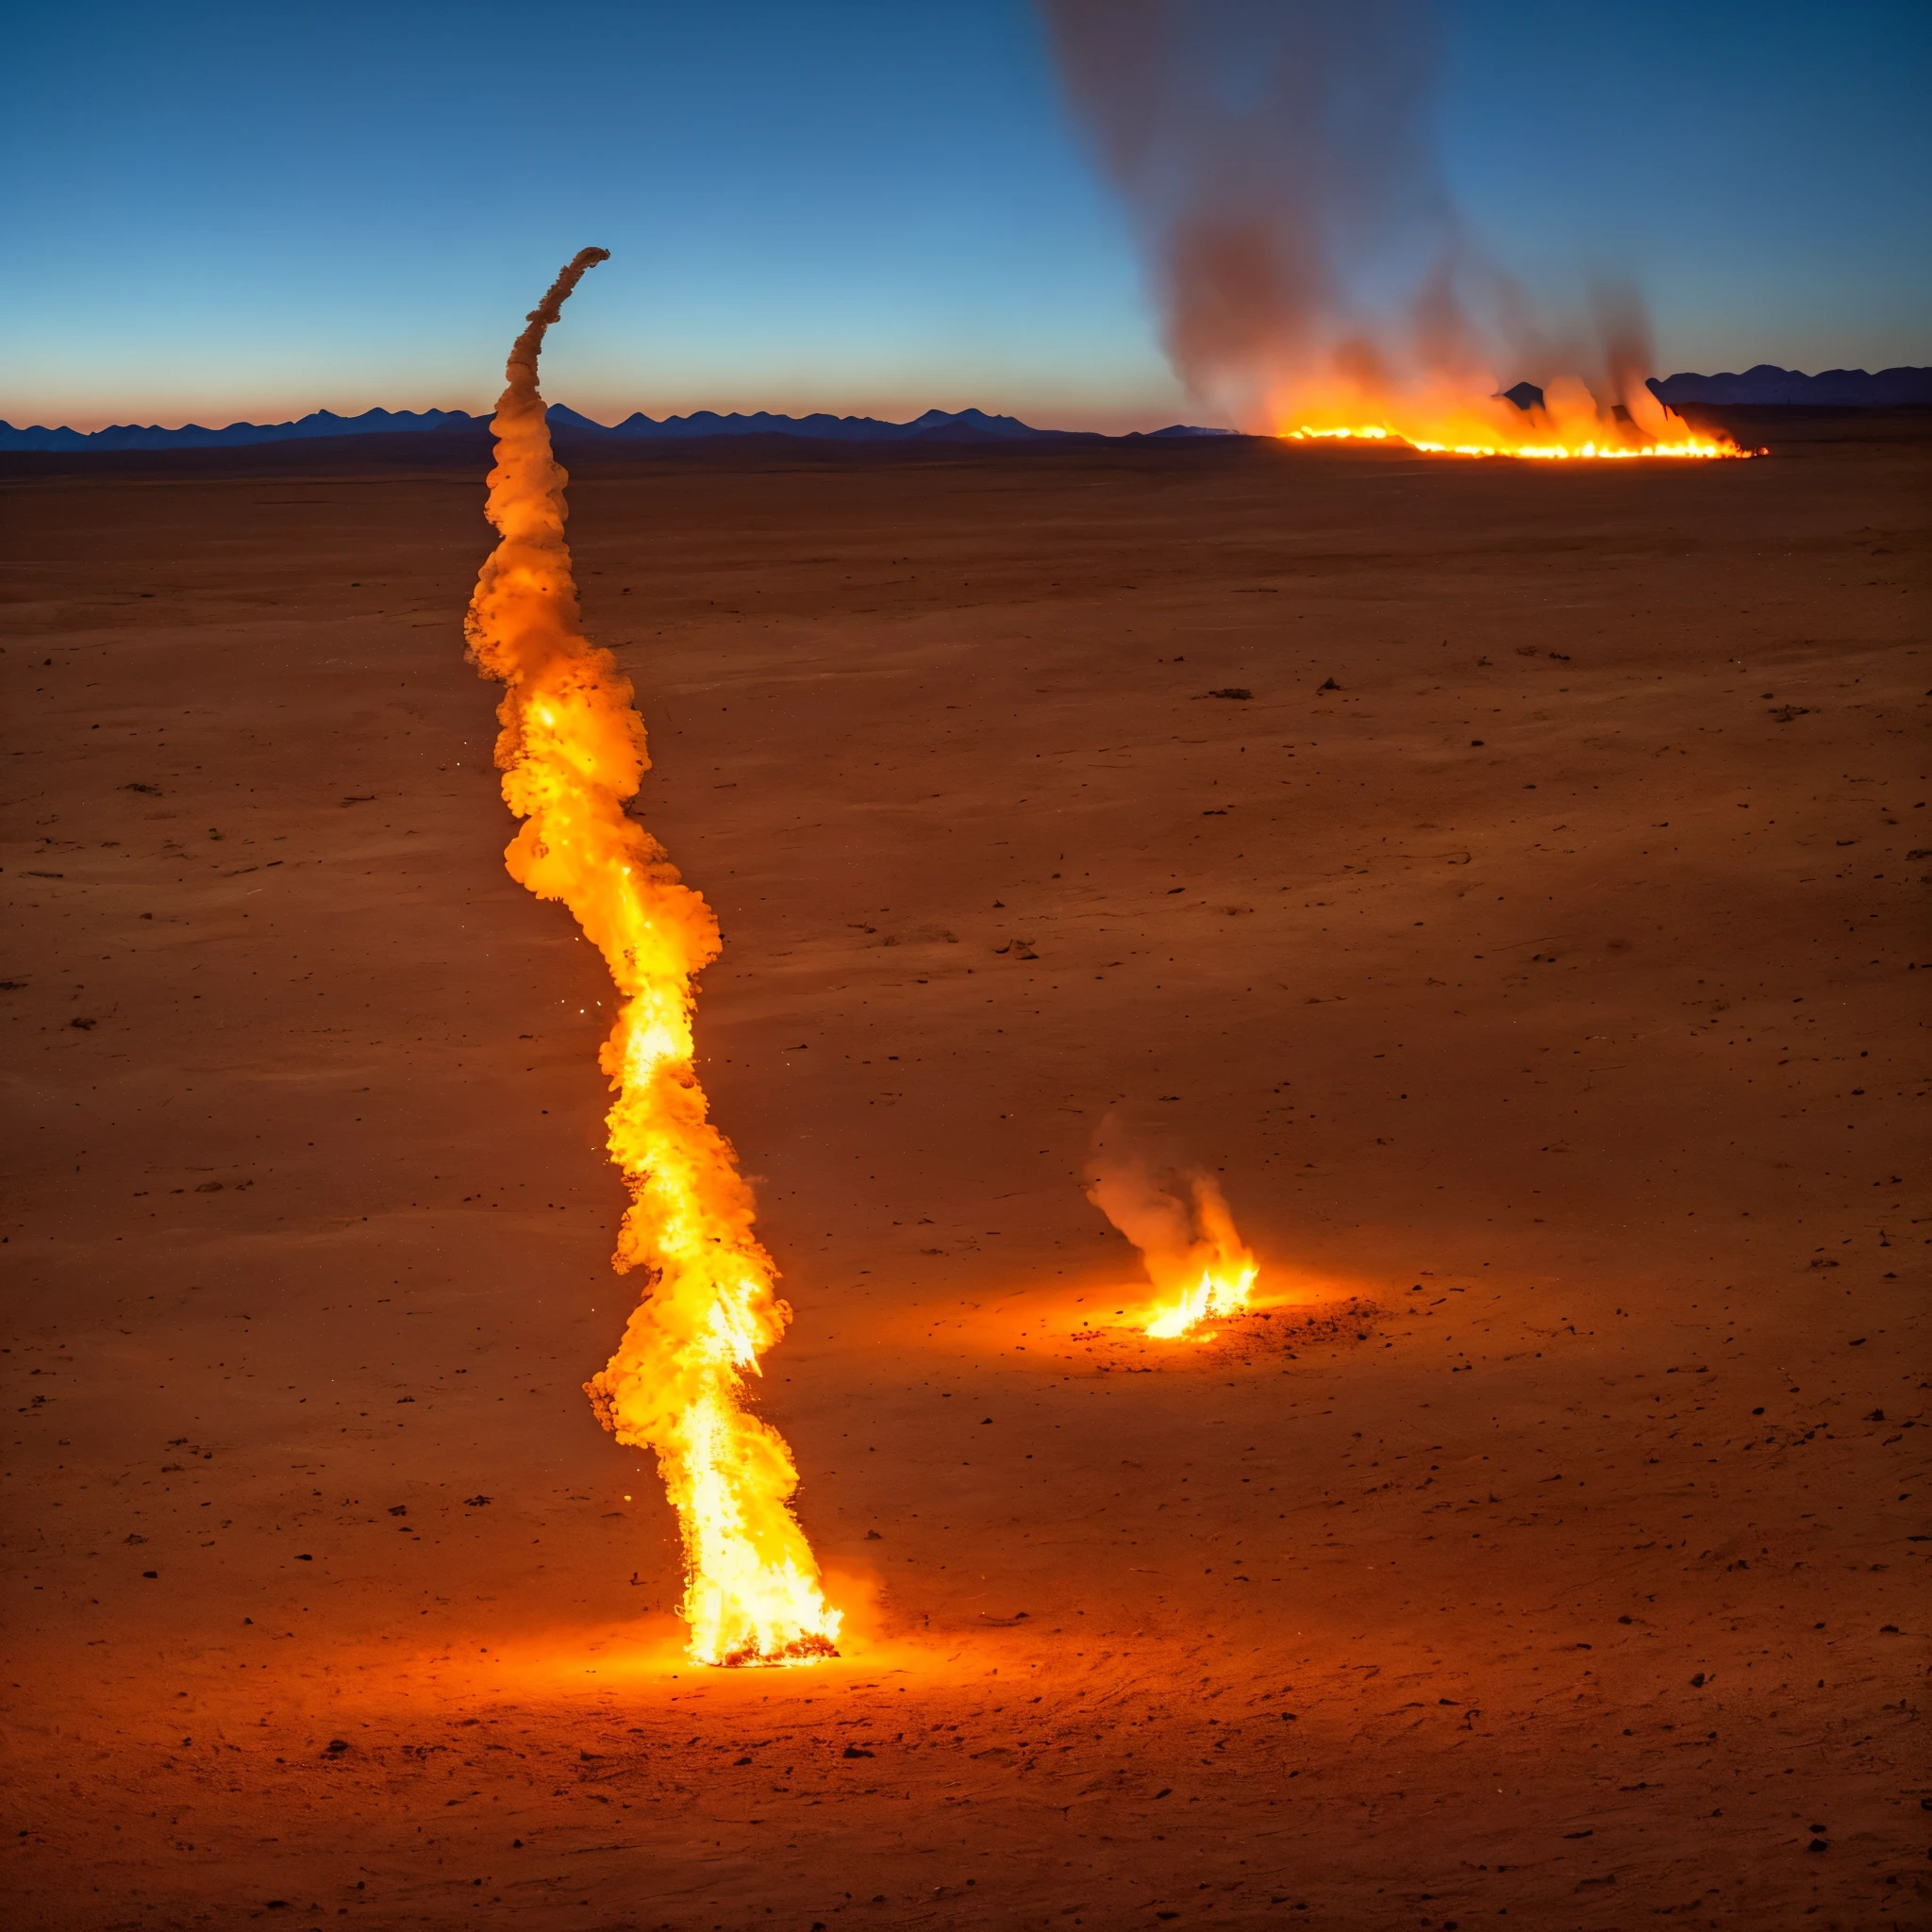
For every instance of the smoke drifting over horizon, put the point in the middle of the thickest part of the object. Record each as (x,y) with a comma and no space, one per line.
(1281,162)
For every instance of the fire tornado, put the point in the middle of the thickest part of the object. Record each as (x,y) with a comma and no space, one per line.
(571,752)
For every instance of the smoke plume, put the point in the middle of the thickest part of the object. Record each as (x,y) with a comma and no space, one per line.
(571,752)
(1279,158)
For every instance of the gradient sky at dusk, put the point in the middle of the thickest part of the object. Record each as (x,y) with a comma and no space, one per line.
(225,211)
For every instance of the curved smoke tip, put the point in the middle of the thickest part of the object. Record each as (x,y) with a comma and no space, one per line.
(529,345)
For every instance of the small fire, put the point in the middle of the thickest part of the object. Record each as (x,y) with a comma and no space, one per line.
(1568,422)
(1221,1290)
(571,752)
(1200,1269)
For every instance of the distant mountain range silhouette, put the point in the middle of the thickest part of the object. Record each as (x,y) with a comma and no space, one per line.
(936,425)
(1764,386)
(1767,386)
(1770,387)
(236,435)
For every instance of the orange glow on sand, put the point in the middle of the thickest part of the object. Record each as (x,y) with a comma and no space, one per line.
(571,752)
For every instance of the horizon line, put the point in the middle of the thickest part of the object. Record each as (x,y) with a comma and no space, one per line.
(1120,417)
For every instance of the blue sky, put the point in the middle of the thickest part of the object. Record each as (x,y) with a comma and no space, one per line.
(223,211)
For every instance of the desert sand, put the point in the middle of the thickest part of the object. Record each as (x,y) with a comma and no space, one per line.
(1533,955)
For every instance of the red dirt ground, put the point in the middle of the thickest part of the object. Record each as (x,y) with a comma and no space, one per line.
(1549,985)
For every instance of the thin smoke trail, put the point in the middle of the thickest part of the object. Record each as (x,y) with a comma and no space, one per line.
(571,752)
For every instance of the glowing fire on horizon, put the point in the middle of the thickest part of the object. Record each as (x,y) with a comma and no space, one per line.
(1281,163)
(571,752)
(1200,1269)
(1569,422)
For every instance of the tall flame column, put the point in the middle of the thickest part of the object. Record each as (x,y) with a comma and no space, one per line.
(571,752)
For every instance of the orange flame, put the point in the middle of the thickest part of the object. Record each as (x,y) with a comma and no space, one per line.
(1569,422)
(571,752)
(1199,1265)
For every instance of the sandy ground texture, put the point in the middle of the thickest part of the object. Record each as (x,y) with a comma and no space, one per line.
(1535,955)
